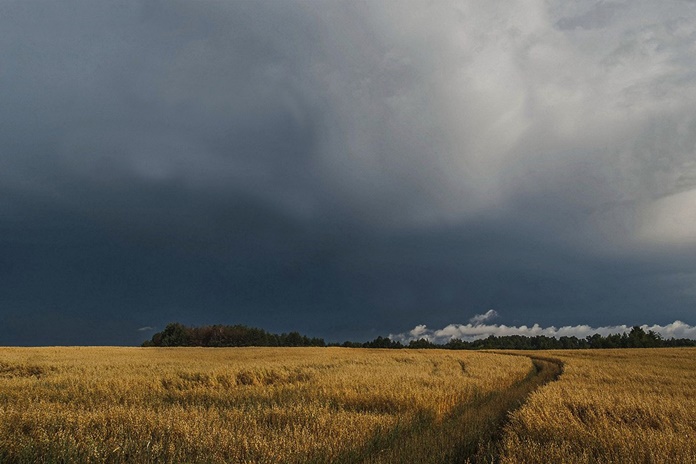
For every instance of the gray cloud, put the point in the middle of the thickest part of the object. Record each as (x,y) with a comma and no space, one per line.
(347,110)
(601,15)
(343,165)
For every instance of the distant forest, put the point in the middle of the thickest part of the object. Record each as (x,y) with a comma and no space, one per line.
(176,334)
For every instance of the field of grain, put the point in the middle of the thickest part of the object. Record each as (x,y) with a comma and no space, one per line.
(260,405)
(610,406)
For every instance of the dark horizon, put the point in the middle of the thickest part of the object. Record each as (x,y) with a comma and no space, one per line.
(478,328)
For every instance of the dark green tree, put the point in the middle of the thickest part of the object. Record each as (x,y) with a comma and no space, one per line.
(174,334)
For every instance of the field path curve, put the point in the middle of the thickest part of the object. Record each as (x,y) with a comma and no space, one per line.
(487,448)
(471,433)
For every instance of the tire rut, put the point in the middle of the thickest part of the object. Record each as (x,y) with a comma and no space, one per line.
(471,433)
(546,369)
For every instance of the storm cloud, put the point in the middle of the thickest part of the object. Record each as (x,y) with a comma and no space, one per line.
(345,169)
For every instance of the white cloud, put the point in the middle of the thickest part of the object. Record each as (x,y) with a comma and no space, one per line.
(419,331)
(469,332)
(481,318)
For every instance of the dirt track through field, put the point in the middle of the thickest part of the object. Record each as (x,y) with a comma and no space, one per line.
(261,405)
(622,406)
(471,433)
(486,447)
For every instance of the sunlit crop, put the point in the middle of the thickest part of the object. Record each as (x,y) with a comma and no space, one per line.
(260,405)
(610,406)
(297,405)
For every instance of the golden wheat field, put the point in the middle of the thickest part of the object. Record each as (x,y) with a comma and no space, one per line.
(299,405)
(610,406)
(250,405)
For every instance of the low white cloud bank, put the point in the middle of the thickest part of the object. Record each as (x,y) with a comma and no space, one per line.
(477,329)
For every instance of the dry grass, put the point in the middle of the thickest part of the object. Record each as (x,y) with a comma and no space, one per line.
(610,406)
(258,405)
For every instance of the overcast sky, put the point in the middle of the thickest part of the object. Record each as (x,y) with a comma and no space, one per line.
(345,169)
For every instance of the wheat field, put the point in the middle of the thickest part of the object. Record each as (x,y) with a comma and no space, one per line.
(610,406)
(304,405)
(247,405)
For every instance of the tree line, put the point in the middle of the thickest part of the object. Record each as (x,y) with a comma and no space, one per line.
(177,334)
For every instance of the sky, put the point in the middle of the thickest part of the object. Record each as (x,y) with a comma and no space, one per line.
(346,169)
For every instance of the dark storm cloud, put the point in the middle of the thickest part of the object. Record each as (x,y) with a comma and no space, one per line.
(345,169)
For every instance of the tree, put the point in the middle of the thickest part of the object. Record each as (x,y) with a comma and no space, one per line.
(174,334)
(421,343)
